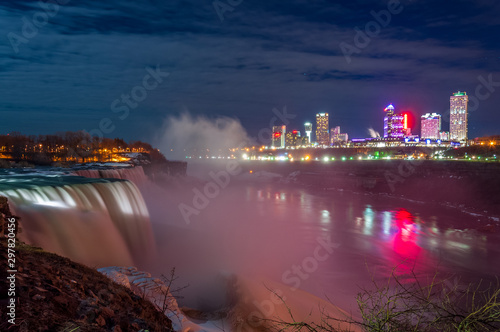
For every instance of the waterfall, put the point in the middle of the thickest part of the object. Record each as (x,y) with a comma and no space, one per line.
(95,222)
(134,174)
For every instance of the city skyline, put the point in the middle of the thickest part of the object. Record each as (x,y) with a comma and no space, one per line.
(396,124)
(233,165)
(70,76)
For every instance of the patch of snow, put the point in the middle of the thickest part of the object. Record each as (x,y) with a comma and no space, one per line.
(156,292)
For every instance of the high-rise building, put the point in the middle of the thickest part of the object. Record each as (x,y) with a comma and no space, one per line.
(279,134)
(398,127)
(322,133)
(444,135)
(308,129)
(394,124)
(343,138)
(336,137)
(458,116)
(389,113)
(293,138)
(430,126)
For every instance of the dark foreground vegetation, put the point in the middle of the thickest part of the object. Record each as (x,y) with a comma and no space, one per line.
(407,304)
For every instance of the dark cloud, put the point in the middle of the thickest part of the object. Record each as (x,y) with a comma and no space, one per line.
(264,54)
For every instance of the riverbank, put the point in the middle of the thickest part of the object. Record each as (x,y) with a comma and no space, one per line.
(473,187)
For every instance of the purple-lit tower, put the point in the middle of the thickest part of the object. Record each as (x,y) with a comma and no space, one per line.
(393,123)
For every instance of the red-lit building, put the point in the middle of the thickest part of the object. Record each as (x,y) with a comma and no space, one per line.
(278,139)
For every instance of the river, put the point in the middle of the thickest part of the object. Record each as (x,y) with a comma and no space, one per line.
(262,225)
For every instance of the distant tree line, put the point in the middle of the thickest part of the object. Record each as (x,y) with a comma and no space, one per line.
(70,147)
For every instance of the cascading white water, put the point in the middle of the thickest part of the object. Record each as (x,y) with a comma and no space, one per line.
(98,223)
(134,174)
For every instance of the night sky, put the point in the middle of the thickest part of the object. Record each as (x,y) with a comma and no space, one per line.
(262,55)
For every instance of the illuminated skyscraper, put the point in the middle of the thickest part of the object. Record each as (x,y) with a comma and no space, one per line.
(394,124)
(279,134)
(398,127)
(293,138)
(430,126)
(322,133)
(308,129)
(389,112)
(458,116)
(338,138)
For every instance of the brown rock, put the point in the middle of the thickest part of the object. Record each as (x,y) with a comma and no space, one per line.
(90,316)
(107,312)
(117,328)
(61,300)
(105,295)
(91,293)
(38,297)
(100,321)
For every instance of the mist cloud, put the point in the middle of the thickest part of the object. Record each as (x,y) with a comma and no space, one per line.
(184,134)
(373,133)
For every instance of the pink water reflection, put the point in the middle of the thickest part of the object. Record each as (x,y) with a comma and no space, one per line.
(405,241)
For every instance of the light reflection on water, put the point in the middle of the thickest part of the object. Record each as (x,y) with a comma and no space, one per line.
(376,237)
